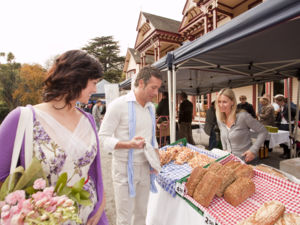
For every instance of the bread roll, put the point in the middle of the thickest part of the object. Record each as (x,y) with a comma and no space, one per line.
(239,191)
(227,175)
(207,188)
(267,214)
(288,219)
(194,179)
(215,166)
(244,171)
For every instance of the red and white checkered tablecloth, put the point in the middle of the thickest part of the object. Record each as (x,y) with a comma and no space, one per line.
(268,187)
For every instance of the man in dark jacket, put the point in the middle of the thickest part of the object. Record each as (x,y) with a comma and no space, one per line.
(211,125)
(283,122)
(246,106)
(163,107)
(185,119)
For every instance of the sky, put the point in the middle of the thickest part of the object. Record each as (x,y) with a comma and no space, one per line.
(35,31)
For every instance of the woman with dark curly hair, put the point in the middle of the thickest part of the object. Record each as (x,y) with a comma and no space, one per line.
(64,136)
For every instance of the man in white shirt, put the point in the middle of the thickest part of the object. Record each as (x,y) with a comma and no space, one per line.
(131,197)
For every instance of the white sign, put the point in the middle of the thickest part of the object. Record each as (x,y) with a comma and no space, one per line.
(179,188)
(209,219)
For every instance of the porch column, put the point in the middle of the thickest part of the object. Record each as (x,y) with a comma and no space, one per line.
(254,97)
(194,104)
(214,18)
(158,51)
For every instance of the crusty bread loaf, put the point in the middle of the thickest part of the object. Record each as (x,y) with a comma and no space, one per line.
(244,171)
(239,191)
(232,164)
(227,175)
(271,171)
(215,167)
(194,179)
(288,219)
(207,188)
(267,214)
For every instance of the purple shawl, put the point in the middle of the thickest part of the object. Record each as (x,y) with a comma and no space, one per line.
(7,138)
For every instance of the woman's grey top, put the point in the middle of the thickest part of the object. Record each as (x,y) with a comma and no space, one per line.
(237,139)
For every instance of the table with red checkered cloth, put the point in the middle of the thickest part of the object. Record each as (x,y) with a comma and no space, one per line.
(268,187)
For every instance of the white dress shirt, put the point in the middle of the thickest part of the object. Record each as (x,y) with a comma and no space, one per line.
(115,128)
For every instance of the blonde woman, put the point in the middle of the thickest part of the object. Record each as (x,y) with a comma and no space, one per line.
(235,127)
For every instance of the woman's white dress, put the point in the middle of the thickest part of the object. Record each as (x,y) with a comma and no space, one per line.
(61,150)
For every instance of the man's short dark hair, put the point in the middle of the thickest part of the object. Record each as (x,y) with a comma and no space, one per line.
(183,95)
(165,94)
(145,75)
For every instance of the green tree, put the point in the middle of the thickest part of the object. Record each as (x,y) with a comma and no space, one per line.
(107,51)
(9,79)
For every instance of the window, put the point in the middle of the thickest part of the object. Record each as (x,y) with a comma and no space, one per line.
(278,87)
(261,90)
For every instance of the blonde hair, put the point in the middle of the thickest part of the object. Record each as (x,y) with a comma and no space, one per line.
(221,116)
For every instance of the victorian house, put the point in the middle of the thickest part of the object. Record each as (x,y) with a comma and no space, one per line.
(156,36)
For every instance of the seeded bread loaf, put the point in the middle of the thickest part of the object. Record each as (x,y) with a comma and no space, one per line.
(232,164)
(227,175)
(239,191)
(215,167)
(195,177)
(244,170)
(207,188)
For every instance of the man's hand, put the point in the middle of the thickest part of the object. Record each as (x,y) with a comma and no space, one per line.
(138,142)
(249,156)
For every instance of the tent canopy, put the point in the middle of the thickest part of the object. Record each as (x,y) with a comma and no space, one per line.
(100,93)
(126,84)
(260,45)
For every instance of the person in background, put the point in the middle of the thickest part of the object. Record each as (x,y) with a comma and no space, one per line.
(211,125)
(64,137)
(282,120)
(129,125)
(185,119)
(162,114)
(246,106)
(266,116)
(97,110)
(276,106)
(163,107)
(235,128)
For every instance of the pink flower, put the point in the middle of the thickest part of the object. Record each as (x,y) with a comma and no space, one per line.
(5,215)
(49,191)
(2,203)
(17,219)
(39,184)
(14,197)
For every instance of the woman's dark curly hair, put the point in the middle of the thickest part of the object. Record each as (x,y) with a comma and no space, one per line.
(69,76)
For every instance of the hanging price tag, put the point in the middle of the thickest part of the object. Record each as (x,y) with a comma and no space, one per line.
(179,187)
(209,219)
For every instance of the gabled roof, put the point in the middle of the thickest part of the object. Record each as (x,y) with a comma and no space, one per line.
(137,56)
(162,23)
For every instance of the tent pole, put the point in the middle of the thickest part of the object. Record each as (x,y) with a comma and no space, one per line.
(174,104)
(170,104)
(294,148)
(289,115)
